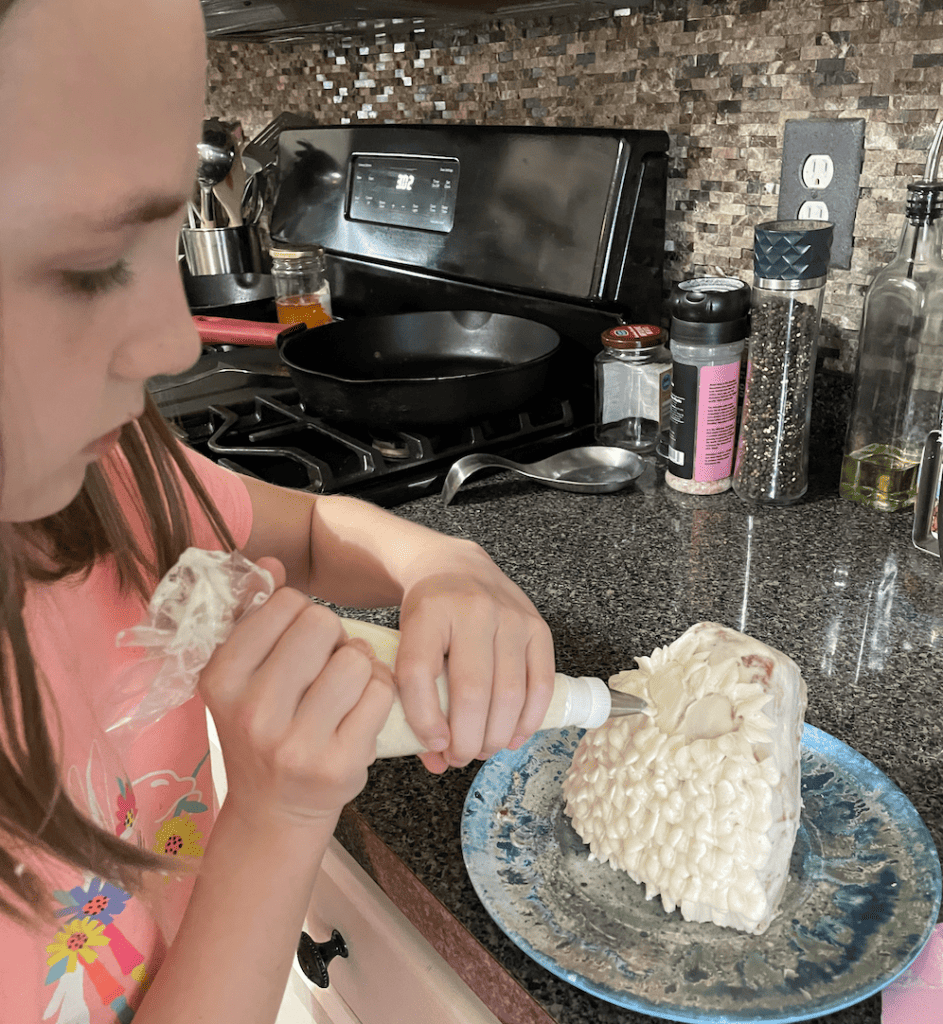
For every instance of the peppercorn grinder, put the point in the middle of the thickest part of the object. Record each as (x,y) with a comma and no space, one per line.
(790,265)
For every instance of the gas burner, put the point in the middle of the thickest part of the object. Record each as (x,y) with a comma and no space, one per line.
(269,435)
(395,449)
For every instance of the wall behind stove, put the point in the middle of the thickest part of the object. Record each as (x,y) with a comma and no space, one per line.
(720,79)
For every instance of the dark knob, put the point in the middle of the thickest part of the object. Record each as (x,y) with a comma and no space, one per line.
(313,957)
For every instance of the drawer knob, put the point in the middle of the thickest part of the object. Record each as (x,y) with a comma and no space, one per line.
(313,957)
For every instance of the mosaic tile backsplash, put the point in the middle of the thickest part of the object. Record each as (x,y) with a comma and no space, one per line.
(721,79)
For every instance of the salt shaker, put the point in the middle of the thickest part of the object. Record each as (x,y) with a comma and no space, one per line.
(790,265)
(633,387)
(709,321)
(302,293)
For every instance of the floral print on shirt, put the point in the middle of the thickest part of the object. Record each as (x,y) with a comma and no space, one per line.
(127,809)
(90,931)
(90,957)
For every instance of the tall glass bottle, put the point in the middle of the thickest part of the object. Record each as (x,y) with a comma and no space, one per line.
(899,375)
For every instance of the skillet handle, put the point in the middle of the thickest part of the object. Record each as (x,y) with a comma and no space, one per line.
(221,330)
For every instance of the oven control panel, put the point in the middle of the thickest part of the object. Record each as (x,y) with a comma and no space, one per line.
(572,212)
(410,192)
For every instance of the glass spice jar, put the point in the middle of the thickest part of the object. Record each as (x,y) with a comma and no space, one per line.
(302,293)
(633,387)
(790,273)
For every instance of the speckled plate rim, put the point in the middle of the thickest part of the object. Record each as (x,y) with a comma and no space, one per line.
(494,784)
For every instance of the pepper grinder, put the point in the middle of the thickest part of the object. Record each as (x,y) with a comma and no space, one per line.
(790,266)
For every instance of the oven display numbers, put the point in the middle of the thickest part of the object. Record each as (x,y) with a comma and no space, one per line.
(408,192)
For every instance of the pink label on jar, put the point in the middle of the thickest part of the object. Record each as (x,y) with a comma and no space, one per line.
(717,390)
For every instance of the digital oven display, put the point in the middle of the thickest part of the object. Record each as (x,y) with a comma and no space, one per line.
(410,192)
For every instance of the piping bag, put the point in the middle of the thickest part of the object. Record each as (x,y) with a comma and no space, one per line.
(195,607)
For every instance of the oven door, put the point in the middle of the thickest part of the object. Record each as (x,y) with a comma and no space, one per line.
(392,975)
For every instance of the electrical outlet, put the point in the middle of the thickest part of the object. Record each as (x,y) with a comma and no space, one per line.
(818,171)
(813,209)
(819,177)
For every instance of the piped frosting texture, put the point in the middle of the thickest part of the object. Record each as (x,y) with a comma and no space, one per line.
(699,801)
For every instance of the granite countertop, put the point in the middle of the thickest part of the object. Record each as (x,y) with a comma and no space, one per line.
(836,586)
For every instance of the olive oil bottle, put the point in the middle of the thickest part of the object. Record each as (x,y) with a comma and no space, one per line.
(899,373)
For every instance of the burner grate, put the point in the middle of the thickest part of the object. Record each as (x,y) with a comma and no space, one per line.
(272,438)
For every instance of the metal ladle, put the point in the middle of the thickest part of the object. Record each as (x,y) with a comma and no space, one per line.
(217,150)
(595,469)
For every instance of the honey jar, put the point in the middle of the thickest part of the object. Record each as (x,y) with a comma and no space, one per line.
(302,293)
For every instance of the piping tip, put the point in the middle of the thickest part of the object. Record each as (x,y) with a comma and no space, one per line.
(626,704)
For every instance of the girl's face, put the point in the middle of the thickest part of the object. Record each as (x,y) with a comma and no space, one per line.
(100,109)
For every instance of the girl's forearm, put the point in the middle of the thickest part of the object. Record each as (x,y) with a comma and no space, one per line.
(232,955)
(363,556)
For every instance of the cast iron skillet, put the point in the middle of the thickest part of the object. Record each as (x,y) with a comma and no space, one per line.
(420,369)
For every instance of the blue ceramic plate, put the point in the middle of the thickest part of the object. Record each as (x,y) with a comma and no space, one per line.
(861,901)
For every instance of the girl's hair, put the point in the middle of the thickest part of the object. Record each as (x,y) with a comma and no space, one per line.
(36,815)
(37,818)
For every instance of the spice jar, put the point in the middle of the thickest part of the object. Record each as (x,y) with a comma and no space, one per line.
(633,387)
(302,294)
(790,264)
(709,322)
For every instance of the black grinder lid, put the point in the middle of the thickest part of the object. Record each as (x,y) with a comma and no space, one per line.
(710,310)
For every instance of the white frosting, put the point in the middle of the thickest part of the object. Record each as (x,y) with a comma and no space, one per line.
(699,800)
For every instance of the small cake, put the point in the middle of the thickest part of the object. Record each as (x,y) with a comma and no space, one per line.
(699,800)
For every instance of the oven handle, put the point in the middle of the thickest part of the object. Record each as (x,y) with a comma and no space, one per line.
(314,957)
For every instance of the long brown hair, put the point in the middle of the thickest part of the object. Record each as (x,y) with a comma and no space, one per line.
(36,815)
(37,818)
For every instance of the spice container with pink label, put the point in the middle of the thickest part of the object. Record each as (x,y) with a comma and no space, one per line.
(710,319)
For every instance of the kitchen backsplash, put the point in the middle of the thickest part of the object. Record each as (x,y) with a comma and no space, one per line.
(722,80)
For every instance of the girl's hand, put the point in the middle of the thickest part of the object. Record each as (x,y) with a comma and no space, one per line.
(500,658)
(297,706)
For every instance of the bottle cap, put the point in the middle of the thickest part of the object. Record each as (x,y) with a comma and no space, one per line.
(924,201)
(299,252)
(710,300)
(792,250)
(710,310)
(633,336)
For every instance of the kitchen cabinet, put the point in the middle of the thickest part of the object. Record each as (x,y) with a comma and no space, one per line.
(838,587)
(292,20)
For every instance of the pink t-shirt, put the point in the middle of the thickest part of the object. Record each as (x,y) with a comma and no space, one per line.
(152,786)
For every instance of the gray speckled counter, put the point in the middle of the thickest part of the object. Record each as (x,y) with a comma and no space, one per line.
(837,587)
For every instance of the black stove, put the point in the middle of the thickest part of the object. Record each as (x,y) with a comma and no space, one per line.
(561,226)
(250,419)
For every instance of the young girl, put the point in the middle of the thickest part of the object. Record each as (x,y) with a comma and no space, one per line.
(100,110)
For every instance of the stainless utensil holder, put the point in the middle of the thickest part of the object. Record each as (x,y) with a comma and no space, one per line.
(926,535)
(223,250)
